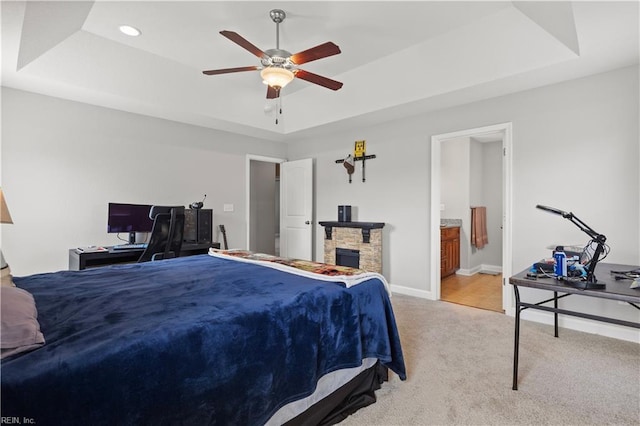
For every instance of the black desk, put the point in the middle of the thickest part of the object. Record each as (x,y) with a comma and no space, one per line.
(94,259)
(615,290)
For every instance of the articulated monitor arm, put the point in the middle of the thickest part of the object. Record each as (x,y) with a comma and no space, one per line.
(591,280)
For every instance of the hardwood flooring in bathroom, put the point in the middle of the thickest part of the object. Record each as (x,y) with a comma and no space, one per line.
(482,291)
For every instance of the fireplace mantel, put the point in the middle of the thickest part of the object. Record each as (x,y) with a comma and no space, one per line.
(369,225)
(365,226)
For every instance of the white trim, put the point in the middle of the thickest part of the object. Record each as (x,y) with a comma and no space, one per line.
(478,269)
(410,291)
(247,169)
(507,167)
(434,287)
(491,268)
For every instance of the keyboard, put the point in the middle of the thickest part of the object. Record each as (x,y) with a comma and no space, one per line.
(137,246)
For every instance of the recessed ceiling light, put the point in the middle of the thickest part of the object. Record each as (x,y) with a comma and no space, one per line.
(130,31)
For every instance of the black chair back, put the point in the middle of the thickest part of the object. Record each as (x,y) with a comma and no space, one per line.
(166,237)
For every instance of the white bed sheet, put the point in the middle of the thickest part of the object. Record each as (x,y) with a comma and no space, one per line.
(326,385)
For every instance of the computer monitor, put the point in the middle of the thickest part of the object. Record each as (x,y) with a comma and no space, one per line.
(129,218)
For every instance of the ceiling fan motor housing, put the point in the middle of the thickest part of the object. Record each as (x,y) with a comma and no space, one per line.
(278,58)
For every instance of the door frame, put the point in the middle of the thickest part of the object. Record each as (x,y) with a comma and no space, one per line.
(507,168)
(249,158)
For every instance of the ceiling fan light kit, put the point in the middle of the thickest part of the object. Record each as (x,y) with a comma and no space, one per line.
(276,77)
(278,67)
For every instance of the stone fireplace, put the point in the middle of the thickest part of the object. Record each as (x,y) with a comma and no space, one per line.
(349,242)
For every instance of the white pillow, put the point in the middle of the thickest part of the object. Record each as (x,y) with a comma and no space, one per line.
(20,330)
(5,277)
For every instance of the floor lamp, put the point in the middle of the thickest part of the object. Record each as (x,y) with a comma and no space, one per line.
(5,217)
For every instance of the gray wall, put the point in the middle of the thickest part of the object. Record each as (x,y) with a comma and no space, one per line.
(486,190)
(63,161)
(471,175)
(575,146)
(456,191)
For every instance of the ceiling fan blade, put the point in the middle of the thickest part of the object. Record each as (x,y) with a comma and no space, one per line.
(229,70)
(272,93)
(318,79)
(242,42)
(318,52)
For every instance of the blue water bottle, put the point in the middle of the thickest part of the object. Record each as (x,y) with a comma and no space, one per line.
(561,262)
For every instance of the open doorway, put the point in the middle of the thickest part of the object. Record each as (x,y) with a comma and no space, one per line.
(291,200)
(263,201)
(471,184)
(468,152)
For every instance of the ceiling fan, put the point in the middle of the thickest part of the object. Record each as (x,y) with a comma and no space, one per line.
(278,67)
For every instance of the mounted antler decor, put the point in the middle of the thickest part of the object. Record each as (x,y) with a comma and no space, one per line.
(358,155)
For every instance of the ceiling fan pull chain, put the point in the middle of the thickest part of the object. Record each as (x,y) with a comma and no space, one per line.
(279,108)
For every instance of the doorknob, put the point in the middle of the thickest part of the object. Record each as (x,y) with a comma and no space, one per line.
(307,222)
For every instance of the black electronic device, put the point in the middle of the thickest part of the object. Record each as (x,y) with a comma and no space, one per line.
(590,282)
(205,225)
(129,218)
(344,213)
(137,246)
(198,225)
(198,204)
(190,234)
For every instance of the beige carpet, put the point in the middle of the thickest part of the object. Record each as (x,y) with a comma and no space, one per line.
(460,360)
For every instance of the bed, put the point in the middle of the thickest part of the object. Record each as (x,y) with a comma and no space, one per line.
(221,338)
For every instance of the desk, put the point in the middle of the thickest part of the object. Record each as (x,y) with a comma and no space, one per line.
(80,261)
(615,290)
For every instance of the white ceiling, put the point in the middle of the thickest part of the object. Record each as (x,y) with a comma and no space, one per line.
(398,58)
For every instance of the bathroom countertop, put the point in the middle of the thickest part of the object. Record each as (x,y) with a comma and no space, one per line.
(450,223)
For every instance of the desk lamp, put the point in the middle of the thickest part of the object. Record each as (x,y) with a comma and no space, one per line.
(5,217)
(591,282)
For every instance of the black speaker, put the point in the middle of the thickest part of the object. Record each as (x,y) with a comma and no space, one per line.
(198,226)
(344,213)
(205,225)
(190,234)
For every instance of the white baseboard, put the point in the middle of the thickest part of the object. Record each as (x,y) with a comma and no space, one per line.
(491,268)
(477,269)
(408,291)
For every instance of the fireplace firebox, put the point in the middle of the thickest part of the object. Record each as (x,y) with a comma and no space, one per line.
(348,257)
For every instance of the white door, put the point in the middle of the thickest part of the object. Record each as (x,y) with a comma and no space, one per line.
(296,209)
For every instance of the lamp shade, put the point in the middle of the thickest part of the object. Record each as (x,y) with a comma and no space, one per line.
(5,216)
(276,76)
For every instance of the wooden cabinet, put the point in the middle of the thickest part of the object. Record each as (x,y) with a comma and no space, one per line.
(449,250)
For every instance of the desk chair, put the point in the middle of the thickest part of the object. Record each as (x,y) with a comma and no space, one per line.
(166,235)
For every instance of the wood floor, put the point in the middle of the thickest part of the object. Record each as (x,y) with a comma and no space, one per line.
(480,291)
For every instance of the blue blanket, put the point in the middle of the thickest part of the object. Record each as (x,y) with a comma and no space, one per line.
(196,340)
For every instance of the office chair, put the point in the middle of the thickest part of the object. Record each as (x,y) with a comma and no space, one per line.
(166,235)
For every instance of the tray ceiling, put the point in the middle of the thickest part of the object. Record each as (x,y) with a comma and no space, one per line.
(398,58)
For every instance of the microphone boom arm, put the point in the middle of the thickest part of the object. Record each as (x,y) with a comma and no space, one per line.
(600,239)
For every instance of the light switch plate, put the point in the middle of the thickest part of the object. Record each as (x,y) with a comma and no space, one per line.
(228,207)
